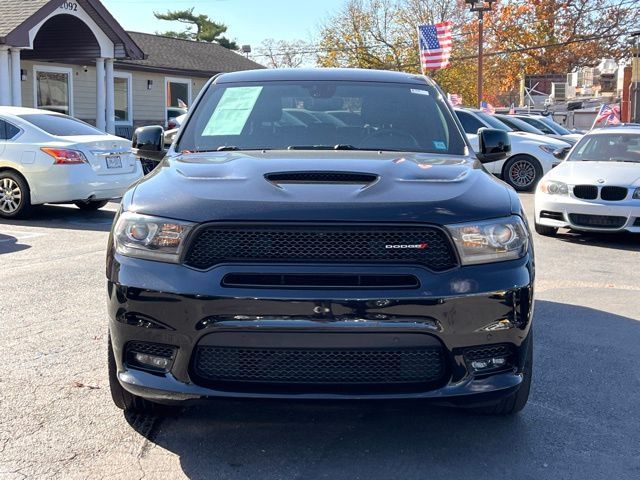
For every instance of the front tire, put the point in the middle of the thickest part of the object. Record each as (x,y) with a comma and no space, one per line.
(522,172)
(124,400)
(92,205)
(15,195)
(545,230)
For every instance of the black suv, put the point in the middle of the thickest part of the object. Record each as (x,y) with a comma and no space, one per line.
(321,234)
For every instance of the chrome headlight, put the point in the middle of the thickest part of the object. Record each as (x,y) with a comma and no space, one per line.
(547,148)
(636,194)
(490,241)
(552,187)
(153,238)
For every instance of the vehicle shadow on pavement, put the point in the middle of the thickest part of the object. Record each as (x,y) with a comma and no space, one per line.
(581,422)
(618,241)
(9,244)
(66,217)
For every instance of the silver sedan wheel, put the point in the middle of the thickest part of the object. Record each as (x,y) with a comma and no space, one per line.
(522,173)
(10,195)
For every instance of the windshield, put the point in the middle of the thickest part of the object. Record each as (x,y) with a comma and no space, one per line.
(494,122)
(621,147)
(322,115)
(60,125)
(555,126)
(519,125)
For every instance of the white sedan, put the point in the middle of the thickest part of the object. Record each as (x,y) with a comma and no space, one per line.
(47,157)
(597,188)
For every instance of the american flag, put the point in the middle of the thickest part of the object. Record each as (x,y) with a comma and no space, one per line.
(609,112)
(455,99)
(435,45)
(487,108)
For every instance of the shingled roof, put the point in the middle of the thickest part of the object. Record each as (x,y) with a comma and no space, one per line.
(185,56)
(14,12)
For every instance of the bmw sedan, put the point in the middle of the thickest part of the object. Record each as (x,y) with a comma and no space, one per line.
(48,157)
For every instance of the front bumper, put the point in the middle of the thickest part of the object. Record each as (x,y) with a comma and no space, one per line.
(465,307)
(566,205)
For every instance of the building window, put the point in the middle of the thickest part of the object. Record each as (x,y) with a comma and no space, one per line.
(178,94)
(52,89)
(122,98)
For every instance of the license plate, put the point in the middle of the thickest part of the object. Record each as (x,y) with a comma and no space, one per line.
(114,162)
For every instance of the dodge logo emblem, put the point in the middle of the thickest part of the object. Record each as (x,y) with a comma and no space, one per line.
(417,246)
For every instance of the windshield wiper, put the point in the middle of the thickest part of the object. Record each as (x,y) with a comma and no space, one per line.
(340,146)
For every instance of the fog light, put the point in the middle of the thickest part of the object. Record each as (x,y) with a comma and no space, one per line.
(488,363)
(161,363)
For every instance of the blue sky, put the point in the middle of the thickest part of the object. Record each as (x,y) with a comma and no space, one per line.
(249,21)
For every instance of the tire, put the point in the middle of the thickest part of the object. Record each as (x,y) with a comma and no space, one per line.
(124,400)
(92,205)
(516,402)
(15,195)
(522,172)
(545,230)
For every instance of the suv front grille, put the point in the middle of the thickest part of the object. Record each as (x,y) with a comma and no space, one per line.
(215,244)
(320,366)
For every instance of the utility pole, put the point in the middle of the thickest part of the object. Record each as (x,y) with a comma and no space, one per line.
(480,6)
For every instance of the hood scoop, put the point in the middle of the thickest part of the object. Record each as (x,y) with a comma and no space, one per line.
(321,177)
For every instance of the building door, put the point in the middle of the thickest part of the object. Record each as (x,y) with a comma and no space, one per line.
(53,89)
(178,93)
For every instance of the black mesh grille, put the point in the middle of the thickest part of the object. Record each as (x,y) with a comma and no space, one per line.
(597,221)
(586,192)
(319,366)
(488,351)
(321,177)
(156,349)
(419,245)
(613,194)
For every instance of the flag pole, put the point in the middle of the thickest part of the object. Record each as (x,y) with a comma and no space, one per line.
(595,120)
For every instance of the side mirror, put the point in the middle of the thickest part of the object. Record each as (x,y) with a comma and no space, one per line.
(561,153)
(148,142)
(494,145)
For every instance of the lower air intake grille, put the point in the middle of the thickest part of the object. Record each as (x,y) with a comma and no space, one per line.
(319,366)
(597,221)
(157,349)
(216,244)
(613,194)
(488,351)
(586,192)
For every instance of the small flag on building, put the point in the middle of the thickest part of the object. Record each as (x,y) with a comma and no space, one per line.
(435,45)
(486,107)
(455,99)
(610,113)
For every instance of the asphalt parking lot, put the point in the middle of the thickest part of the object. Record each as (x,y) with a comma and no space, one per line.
(57,419)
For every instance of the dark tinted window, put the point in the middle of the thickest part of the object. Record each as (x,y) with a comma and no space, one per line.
(554,126)
(7,130)
(60,125)
(518,125)
(278,115)
(470,123)
(493,122)
(538,124)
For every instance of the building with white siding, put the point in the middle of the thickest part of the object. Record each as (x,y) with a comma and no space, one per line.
(72,56)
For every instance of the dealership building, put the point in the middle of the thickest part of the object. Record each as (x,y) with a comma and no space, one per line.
(72,56)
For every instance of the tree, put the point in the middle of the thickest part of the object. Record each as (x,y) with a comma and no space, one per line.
(285,54)
(199,27)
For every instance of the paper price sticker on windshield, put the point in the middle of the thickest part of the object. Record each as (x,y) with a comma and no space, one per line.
(232,111)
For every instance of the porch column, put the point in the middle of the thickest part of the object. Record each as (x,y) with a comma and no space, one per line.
(111,125)
(5,82)
(100,94)
(16,80)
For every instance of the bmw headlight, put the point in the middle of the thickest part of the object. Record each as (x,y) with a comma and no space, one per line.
(636,194)
(552,187)
(548,148)
(153,238)
(491,240)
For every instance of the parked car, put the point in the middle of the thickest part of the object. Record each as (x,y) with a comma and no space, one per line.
(531,155)
(549,127)
(266,260)
(174,114)
(519,125)
(48,157)
(597,188)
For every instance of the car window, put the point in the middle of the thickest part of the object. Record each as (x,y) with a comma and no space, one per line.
(538,124)
(621,147)
(60,125)
(493,122)
(295,114)
(519,125)
(555,126)
(470,124)
(8,130)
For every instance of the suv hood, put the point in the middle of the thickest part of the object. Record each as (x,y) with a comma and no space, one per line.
(231,186)
(613,173)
